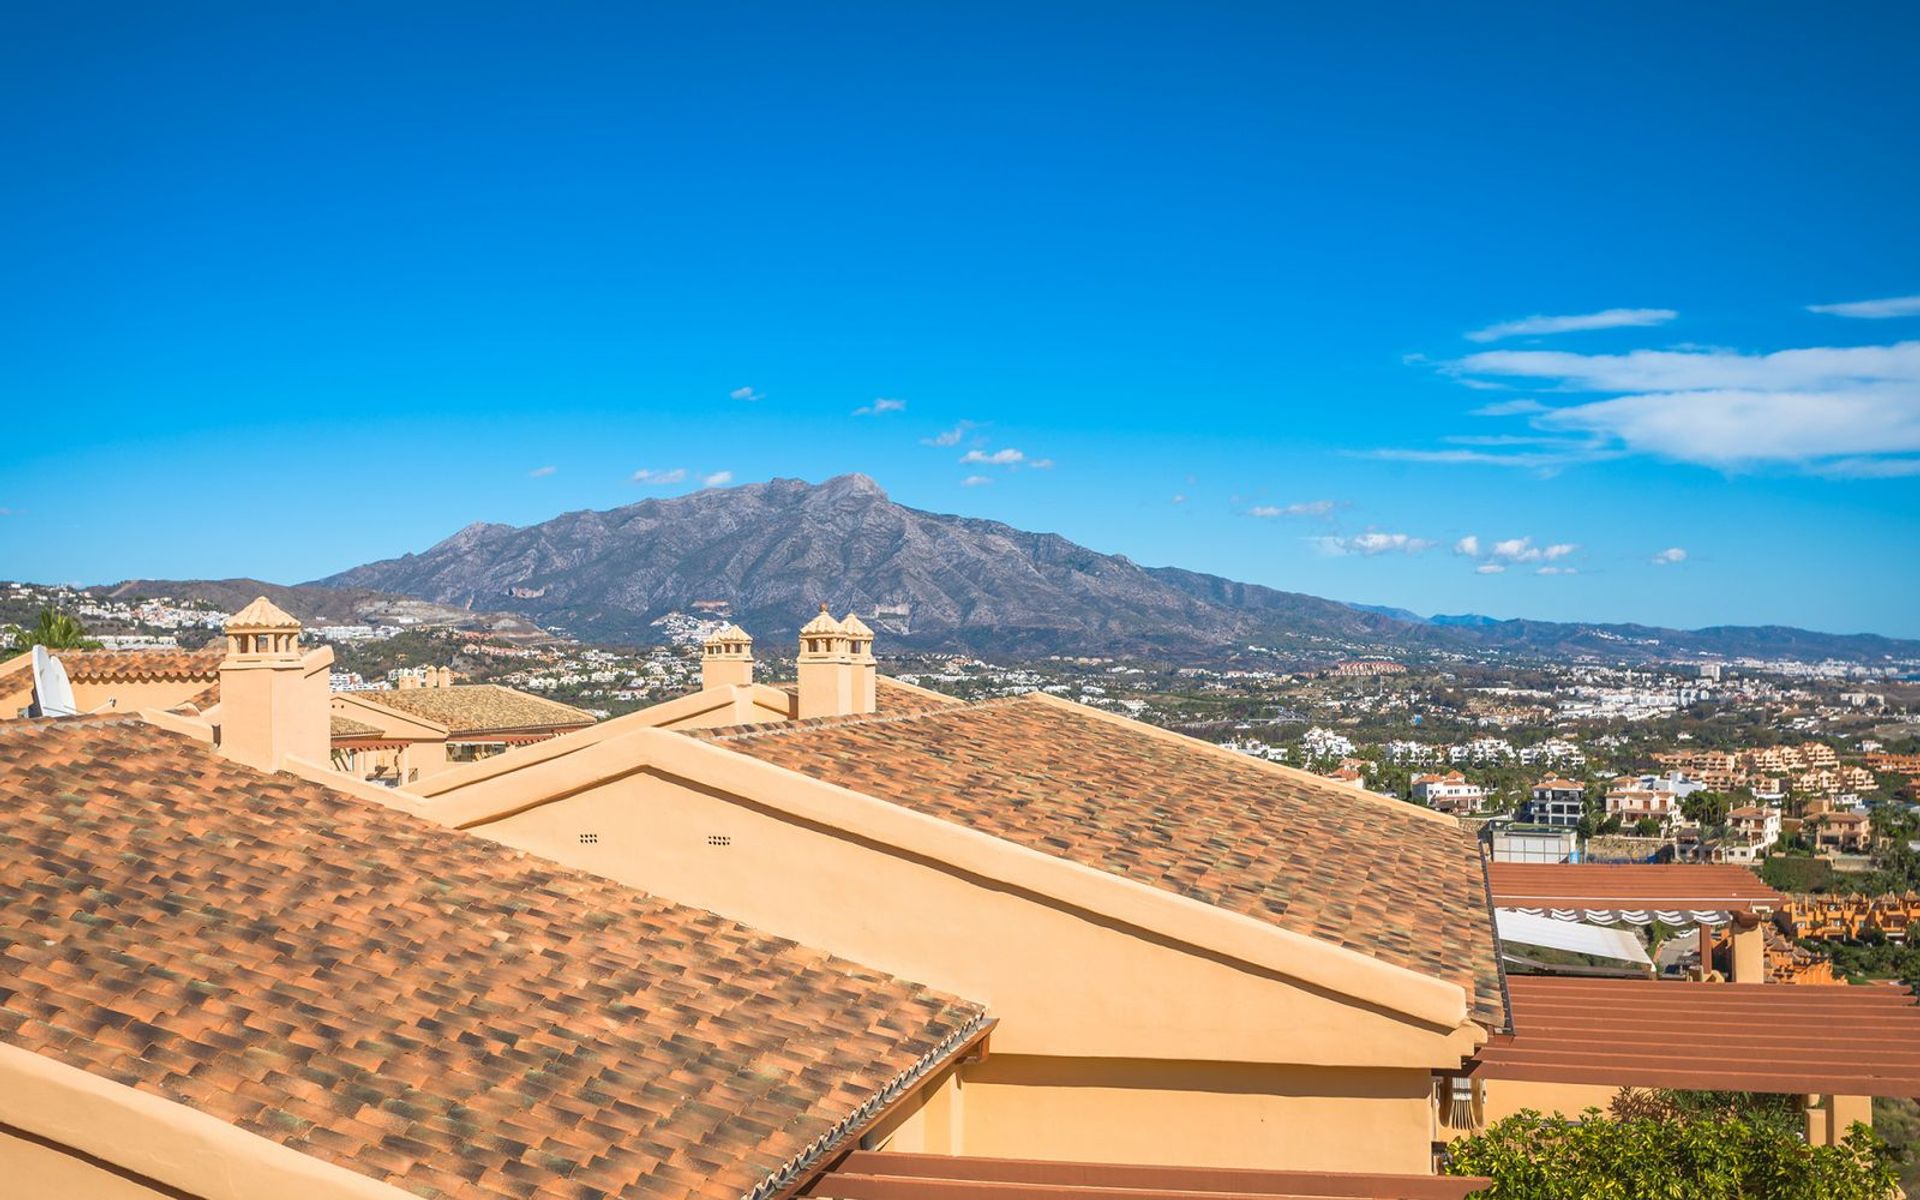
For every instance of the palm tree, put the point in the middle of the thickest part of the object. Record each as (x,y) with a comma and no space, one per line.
(56,631)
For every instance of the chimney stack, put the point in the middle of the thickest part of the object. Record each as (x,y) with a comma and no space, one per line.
(273,698)
(865,670)
(726,659)
(836,667)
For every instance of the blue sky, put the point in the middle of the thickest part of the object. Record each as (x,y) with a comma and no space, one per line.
(1506,310)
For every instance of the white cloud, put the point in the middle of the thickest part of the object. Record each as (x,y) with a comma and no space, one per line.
(1612,318)
(1669,556)
(1849,412)
(1815,368)
(951,437)
(1302,508)
(717,479)
(1494,557)
(541,472)
(1557,571)
(1508,408)
(746,393)
(882,405)
(1872,310)
(1176,500)
(975,481)
(1041,464)
(1371,543)
(994,458)
(654,478)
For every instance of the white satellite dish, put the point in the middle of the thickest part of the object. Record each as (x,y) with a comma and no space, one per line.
(52,694)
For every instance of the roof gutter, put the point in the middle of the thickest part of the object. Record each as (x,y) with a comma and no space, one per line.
(803,1167)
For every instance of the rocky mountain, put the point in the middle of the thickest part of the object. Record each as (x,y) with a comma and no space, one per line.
(767,553)
(315,605)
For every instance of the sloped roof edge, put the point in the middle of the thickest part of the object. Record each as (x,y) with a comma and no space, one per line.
(1412,994)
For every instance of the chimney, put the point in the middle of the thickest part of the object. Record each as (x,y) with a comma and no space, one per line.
(825,668)
(865,670)
(273,698)
(726,659)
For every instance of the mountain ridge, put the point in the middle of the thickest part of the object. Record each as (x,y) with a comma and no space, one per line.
(771,551)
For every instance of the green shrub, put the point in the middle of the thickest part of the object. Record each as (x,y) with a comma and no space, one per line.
(1682,1156)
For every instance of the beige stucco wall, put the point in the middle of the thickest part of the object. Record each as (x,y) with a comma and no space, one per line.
(1505,1097)
(1112,1043)
(133,696)
(33,1168)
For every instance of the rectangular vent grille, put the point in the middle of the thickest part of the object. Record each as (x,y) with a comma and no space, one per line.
(719,839)
(589,839)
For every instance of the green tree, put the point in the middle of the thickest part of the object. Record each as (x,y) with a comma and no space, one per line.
(54,630)
(1675,1152)
(1705,809)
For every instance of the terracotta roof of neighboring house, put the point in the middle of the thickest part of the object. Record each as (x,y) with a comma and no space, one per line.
(1843,818)
(404,1000)
(891,698)
(1558,784)
(470,708)
(130,666)
(1371,874)
(339,726)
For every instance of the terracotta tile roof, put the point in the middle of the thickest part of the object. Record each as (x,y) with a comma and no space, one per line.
(125,666)
(891,698)
(408,1001)
(1307,854)
(471,708)
(339,726)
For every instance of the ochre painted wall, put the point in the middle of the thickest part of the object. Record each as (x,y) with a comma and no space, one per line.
(134,696)
(31,1168)
(1218,1061)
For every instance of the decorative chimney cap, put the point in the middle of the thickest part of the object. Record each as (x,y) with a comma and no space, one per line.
(855,627)
(729,633)
(262,616)
(822,624)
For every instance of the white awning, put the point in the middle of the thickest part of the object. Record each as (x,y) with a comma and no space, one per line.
(1529,929)
(1630,916)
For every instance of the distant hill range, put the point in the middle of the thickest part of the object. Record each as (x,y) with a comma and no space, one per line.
(765,554)
(316,605)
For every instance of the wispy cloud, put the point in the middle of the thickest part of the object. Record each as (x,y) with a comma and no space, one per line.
(1302,508)
(1371,543)
(1872,310)
(1847,412)
(1557,571)
(951,437)
(1008,457)
(975,481)
(1041,464)
(746,393)
(1537,325)
(882,405)
(1669,557)
(1507,408)
(717,479)
(1176,500)
(1490,569)
(541,472)
(658,478)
